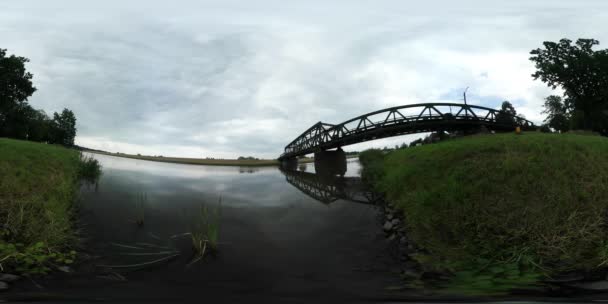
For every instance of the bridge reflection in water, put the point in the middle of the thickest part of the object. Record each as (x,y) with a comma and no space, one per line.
(326,187)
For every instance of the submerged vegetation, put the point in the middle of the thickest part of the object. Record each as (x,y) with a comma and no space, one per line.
(502,211)
(38,186)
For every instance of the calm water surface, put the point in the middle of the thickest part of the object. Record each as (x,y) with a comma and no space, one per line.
(276,242)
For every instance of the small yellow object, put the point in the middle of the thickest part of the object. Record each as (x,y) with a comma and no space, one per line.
(517,130)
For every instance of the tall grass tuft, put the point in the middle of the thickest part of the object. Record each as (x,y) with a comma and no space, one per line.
(89,169)
(205,233)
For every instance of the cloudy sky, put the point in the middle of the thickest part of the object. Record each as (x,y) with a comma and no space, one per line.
(228,78)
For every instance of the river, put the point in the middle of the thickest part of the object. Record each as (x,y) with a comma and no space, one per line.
(275,242)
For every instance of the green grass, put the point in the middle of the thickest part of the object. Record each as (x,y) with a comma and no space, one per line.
(503,209)
(38,185)
(206,230)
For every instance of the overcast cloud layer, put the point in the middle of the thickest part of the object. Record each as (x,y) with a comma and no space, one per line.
(230,78)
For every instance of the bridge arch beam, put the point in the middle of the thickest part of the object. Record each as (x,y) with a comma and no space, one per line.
(401,120)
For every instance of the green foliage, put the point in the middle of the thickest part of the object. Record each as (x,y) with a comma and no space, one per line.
(492,279)
(506,115)
(206,230)
(583,75)
(90,169)
(16,84)
(32,259)
(558,116)
(536,201)
(372,169)
(17,118)
(545,128)
(38,186)
(64,128)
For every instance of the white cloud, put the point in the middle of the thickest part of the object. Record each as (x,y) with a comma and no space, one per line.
(230,78)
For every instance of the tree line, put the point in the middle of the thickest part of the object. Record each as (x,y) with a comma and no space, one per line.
(18,119)
(582,74)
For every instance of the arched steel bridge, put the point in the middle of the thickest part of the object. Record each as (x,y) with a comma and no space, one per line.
(407,119)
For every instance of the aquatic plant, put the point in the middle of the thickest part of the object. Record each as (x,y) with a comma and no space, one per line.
(205,233)
(159,252)
(89,169)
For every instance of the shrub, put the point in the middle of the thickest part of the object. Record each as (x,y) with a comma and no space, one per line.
(371,166)
(545,128)
(89,169)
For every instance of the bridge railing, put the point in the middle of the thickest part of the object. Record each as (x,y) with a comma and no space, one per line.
(401,116)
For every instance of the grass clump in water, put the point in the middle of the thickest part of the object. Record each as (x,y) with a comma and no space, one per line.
(90,169)
(38,186)
(205,233)
(502,209)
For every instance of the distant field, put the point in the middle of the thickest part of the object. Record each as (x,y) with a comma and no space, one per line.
(208,162)
(201,161)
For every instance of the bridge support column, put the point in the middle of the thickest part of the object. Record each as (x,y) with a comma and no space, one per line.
(330,162)
(289,163)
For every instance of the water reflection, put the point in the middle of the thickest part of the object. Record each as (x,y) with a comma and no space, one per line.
(273,238)
(327,188)
(249,169)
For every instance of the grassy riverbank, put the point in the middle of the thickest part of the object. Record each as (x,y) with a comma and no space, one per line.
(499,211)
(38,186)
(203,161)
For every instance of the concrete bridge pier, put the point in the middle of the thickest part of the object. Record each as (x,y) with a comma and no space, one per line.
(289,164)
(330,162)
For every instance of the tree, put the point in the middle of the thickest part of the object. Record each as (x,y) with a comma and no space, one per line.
(506,115)
(583,75)
(558,116)
(15,87)
(63,128)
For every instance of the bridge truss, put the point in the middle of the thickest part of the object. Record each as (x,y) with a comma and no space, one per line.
(408,119)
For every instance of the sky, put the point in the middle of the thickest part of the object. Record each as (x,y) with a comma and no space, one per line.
(236,78)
